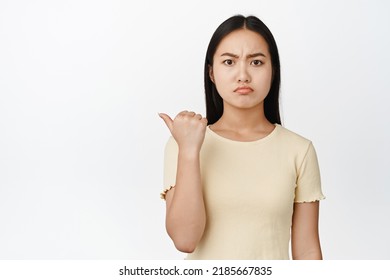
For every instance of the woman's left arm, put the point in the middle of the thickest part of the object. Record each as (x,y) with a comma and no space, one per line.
(305,241)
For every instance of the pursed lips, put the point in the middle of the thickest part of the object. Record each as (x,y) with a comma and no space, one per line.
(243,90)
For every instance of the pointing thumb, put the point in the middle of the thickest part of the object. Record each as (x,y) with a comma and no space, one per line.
(167,119)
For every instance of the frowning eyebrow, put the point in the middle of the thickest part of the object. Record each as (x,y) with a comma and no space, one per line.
(248,56)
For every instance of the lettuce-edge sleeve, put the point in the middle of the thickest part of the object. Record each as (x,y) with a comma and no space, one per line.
(170,166)
(308,185)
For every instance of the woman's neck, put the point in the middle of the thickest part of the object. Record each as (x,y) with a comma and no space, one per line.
(243,120)
(243,124)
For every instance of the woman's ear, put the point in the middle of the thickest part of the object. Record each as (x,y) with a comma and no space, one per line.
(211,73)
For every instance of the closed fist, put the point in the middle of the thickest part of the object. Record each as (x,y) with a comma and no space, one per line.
(188,129)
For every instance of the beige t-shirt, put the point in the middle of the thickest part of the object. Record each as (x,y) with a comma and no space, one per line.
(249,191)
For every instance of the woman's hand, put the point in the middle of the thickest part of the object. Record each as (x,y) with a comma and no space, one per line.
(186,213)
(188,129)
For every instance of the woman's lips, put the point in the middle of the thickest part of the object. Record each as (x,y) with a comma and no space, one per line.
(243,90)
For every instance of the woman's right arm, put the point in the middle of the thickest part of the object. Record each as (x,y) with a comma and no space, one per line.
(185,210)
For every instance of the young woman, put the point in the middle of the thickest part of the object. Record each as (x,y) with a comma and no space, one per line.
(238,184)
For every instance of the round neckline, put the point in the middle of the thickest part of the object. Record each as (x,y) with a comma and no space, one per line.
(261,140)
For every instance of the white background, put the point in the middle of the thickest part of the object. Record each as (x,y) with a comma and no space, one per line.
(81,145)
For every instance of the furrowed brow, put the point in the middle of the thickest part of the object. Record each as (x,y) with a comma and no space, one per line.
(230,54)
(255,55)
(248,56)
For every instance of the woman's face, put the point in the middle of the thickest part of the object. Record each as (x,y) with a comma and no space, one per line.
(242,69)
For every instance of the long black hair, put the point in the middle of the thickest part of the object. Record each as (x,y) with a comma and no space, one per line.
(214,103)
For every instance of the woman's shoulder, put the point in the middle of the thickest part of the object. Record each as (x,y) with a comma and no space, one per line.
(292,138)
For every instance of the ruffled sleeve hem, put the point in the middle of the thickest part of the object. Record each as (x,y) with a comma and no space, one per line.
(310,199)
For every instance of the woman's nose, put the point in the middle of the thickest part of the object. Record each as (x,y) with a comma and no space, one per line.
(243,75)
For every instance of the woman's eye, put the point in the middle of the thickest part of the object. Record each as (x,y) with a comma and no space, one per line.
(228,62)
(256,62)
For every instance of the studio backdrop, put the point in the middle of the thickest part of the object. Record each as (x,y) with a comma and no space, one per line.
(82,146)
